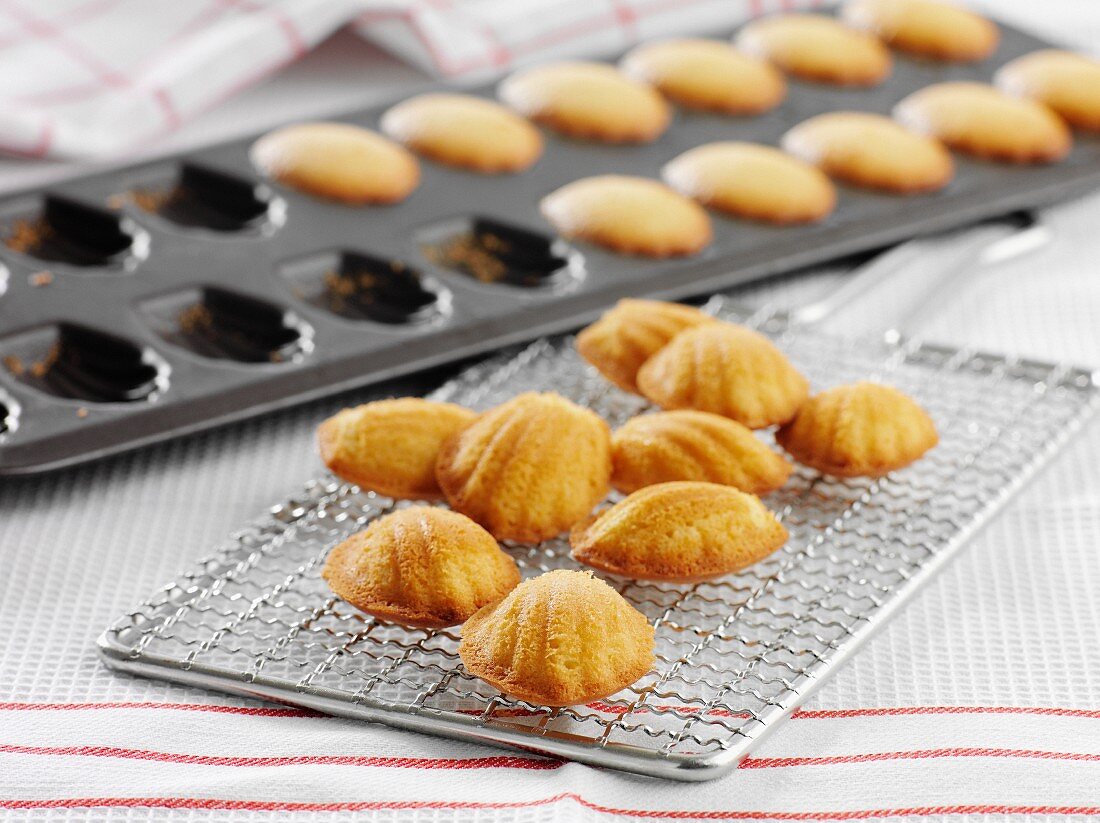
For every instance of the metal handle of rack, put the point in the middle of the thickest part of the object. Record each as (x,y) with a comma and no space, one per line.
(920,275)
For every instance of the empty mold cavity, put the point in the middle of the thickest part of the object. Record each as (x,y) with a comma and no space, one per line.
(494,252)
(201,197)
(77,362)
(78,234)
(226,325)
(362,287)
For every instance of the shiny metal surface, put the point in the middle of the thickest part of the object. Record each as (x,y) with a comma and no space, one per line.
(734,656)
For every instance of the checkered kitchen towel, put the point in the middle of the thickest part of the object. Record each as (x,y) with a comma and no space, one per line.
(94,77)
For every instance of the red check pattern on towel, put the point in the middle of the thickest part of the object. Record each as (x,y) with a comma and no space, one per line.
(95,77)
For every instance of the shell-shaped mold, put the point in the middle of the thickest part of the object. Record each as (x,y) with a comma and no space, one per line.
(728,370)
(630,333)
(693,445)
(679,531)
(529,468)
(421,566)
(390,446)
(864,429)
(559,639)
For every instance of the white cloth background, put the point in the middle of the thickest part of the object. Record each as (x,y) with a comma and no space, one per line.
(982,698)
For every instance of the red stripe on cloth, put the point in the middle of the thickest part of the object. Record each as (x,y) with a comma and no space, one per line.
(799,714)
(68,18)
(45,30)
(390,805)
(164,102)
(807,714)
(919,754)
(495,762)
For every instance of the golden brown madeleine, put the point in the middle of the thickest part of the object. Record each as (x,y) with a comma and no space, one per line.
(630,333)
(337,161)
(693,445)
(628,215)
(861,429)
(925,28)
(390,446)
(592,101)
(752,181)
(707,74)
(464,131)
(728,370)
(1066,82)
(977,119)
(529,468)
(817,48)
(681,531)
(421,566)
(871,151)
(562,638)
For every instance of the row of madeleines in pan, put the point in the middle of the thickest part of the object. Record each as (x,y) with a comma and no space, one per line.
(538,465)
(1025,117)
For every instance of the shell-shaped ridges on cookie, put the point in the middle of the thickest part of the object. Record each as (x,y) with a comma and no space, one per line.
(391,446)
(725,369)
(562,638)
(863,429)
(421,566)
(692,445)
(510,470)
(679,531)
(629,334)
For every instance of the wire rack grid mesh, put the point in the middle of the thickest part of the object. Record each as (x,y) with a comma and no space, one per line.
(734,655)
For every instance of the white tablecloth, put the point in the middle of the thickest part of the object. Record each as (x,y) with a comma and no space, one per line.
(982,698)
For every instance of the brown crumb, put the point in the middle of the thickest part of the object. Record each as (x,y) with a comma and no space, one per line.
(153,200)
(40,278)
(195,318)
(42,366)
(468,253)
(82,412)
(15,365)
(27,234)
(117,201)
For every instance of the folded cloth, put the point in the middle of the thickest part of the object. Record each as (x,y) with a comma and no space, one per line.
(94,77)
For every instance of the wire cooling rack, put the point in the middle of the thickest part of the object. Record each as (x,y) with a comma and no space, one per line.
(734,656)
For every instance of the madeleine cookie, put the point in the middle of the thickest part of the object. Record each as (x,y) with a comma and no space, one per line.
(337,161)
(591,101)
(977,119)
(862,429)
(421,566)
(628,215)
(925,28)
(529,468)
(390,446)
(1066,82)
(707,74)
(871,151)
(693,445)
(630,333)
(559,639)
(679,531)
(817,48)
(464,131)
(728,370)
(752,181)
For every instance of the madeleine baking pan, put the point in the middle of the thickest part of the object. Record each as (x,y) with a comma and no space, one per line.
(150,301)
